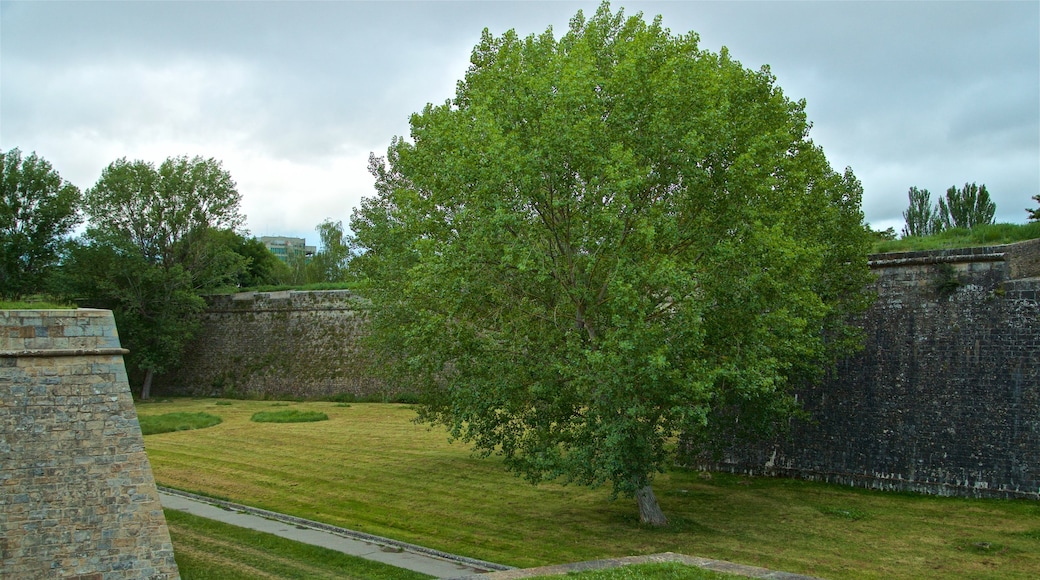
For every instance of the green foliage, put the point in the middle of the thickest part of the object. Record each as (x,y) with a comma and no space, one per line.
(922,219)
(967,207)
(946,281)
(156,239)
(988,235)
(156,208)
(156,307)
(288,416)
(599,240)
(883,235)
(37,210)
(407,398)
(1034,214)
(329,264)
(247,261)
(152,424)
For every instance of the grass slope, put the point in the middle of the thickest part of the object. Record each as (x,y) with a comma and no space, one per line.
(371,469)
(206,549)
(988,235)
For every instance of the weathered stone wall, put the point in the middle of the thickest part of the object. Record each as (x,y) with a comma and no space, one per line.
(277,344)
(945,396)
(77,497)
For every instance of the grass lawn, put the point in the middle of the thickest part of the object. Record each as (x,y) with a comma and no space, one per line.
(988,235)
(369,468)
(669,571)
(210,550)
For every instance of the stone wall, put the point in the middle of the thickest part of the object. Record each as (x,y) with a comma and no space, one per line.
(277,344)
(945,396)
(77,497)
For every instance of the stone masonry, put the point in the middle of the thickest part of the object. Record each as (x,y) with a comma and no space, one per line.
(277,344)
(945,396)
(77,496)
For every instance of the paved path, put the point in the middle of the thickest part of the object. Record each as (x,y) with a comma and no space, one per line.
(385,550)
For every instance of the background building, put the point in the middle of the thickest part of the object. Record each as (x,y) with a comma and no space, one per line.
(284,247)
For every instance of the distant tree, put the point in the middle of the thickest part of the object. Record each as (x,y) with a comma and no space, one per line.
(967,207)
(884,235)
(218,251)
(329,264)
(1034,214)
(38,209)
(298,271)
(600,239)
(152,245)
(922,219)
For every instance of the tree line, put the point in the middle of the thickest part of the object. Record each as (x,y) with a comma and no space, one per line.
(965,207)
(157,238)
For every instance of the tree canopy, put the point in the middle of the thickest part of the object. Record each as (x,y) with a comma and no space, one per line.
(329,264)
(922,219)
(38,209)
(601,239)
(966,207)
(156,238)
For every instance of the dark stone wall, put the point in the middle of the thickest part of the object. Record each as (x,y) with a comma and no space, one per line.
(945,396)
(277,344)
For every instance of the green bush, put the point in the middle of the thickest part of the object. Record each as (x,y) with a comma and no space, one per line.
(152,424)
(288,416)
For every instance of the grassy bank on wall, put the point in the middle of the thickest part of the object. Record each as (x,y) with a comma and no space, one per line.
(371,469)
(988,235)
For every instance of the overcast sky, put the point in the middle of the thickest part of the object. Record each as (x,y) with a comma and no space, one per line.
(292,96)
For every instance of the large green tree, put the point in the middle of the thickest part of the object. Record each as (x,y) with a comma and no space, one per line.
(601,239)
(38,209)
(153,243)
(966,207)
(922,218)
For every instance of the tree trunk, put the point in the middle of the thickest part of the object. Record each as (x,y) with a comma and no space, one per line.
(649,511)
(146,388)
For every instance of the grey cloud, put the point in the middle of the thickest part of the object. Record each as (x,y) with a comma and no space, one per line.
(924,93)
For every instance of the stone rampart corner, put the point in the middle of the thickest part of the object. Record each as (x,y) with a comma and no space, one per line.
(77,496)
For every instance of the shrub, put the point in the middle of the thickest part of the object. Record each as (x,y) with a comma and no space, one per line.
(288,416)
(152,424)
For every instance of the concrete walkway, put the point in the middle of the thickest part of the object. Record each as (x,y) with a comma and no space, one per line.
(399,554)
